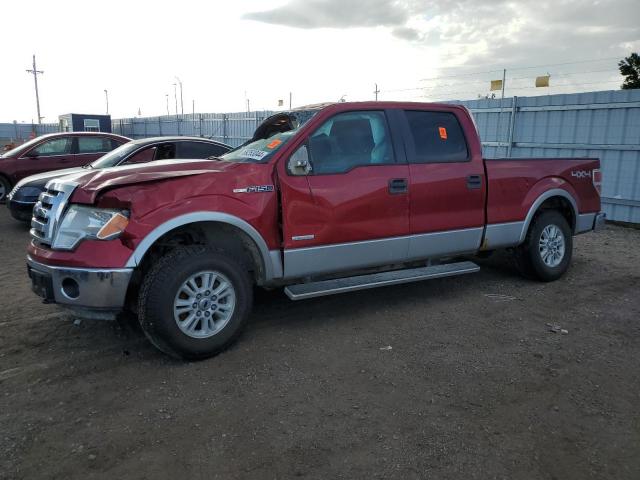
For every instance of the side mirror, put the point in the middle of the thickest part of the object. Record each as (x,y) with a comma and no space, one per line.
(299,163)
(31,154)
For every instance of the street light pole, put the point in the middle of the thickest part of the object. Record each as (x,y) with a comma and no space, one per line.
(35,73)
(175,96)
(167,96)
(181,100)
(106,97)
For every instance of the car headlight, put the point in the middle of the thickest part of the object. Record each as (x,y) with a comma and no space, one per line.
(26,193)
(82,222)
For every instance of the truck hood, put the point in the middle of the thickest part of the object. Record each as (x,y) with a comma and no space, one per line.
(90,183)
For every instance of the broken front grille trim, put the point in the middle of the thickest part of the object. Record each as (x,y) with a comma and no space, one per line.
(49,210)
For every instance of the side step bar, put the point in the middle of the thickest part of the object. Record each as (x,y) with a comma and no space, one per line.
(303,291)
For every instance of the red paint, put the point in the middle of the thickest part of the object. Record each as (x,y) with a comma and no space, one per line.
(20,165)
(515,184)
(347,207)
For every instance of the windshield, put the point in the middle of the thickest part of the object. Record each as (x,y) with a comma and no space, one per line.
(270,136)
(21,148)
(259,151)
(115,157)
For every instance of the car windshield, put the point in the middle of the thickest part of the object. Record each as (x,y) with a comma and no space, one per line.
(262,149)
(21,148)
(115,157)
(259,151)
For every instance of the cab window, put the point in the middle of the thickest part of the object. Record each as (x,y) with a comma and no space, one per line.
(436,137)
(350,140)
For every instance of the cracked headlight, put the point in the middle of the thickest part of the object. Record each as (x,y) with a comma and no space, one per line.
(82,222)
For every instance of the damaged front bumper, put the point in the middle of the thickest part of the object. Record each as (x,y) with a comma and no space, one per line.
(95,293)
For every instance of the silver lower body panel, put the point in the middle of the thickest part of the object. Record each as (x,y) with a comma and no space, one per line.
(102,289)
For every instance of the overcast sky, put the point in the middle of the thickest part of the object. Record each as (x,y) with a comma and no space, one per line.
(225,52)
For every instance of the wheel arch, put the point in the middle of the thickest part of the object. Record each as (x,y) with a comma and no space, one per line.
(557,199)
(267,262)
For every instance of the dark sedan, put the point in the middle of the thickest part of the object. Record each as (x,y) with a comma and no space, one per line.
(25,194)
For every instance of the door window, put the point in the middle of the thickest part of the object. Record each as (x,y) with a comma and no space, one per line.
(350,140)
(57,146)
(93,145)
(199,150)
(436,137)
(142,156)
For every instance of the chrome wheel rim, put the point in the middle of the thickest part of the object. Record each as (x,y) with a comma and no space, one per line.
(3,191)
(204,304)
(552,246)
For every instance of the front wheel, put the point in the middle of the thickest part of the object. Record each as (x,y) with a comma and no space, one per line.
(194,302)
(546,252)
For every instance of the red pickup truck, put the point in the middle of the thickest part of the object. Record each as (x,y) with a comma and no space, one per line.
(320,201)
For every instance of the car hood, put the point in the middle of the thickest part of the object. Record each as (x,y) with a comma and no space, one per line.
(41,179)
(91,182)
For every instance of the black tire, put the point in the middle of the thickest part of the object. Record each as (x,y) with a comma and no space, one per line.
(5,188)
(528,256)
(160,287)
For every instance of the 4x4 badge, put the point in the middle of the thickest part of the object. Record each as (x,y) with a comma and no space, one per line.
(254,189)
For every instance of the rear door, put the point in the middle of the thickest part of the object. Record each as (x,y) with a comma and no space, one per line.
(52,154)
(352,208)
(447,185)
(90,148)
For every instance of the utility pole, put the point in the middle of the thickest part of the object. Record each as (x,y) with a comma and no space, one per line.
(376,92)
(106,96)
(193,108)
(504,78)
(248,107)
(35,73)
(167,97)
(181,102)
(290,98)
(175,96)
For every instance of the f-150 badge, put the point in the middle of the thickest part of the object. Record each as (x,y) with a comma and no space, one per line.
(254,189)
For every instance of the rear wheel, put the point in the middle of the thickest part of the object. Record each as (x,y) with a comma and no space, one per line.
(194,302)
(548,247)
(5,188)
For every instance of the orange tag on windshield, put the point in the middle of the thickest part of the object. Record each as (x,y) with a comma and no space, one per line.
(274,144)
(443,133)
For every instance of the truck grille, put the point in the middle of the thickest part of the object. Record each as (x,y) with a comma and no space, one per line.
(48,211)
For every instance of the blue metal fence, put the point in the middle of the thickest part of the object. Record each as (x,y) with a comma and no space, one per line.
(603,125)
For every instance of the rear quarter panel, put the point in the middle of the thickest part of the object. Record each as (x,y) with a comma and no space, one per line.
(515,184)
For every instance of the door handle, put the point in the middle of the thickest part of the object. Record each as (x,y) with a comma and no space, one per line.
(474,182)
(398,185)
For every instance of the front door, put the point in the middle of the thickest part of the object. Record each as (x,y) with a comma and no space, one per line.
(50,155)
(351,209)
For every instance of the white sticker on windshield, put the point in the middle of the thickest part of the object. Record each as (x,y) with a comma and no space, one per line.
(253,154)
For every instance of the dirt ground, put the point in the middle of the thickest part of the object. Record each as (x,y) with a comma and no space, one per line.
(457,378)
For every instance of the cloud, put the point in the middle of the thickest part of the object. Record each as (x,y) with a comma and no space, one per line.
(480,31)
(407,33)
(334,14)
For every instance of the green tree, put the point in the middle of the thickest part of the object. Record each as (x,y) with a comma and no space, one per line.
(630,69)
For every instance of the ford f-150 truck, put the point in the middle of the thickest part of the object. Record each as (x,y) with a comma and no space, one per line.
(325,200)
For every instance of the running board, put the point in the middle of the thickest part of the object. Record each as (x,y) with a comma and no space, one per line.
(303,291)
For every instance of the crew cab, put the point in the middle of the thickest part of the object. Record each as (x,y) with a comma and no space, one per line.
(54,151)
(322,200)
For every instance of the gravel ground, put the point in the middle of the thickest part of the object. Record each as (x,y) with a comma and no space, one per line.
(458,378)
